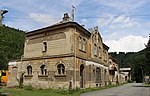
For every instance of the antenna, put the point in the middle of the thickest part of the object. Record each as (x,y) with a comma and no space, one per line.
(2,12)
(73,13)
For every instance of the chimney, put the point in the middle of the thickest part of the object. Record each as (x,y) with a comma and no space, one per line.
(66,17)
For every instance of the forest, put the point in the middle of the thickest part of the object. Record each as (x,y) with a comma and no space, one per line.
(138,61)
(11,45)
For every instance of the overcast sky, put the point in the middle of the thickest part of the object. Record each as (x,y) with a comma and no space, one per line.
(123,24)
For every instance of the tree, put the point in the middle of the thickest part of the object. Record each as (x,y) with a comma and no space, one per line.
(11,45)
(147,57)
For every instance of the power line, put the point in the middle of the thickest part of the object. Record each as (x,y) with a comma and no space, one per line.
(30,18)
(138,15)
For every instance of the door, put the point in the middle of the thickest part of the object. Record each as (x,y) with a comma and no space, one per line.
(81,75)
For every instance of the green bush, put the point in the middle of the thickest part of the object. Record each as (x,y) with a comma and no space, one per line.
(28,87)
(129,81)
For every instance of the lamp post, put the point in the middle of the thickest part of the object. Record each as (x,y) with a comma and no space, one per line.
(21,69)
(21,74)
(2,12)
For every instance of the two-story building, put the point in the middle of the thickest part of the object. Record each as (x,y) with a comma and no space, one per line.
(62,55)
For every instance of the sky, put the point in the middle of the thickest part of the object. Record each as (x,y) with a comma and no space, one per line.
(123,24)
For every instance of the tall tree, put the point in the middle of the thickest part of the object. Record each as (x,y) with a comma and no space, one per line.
(11,45)
(147,56)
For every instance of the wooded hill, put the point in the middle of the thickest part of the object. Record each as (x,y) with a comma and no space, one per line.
(11,45)
(135,60)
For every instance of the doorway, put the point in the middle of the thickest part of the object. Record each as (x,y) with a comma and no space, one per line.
(81,76)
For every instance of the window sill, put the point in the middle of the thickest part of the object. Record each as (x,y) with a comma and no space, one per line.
(42,75)
(59,75)
(28,75)
(60,78)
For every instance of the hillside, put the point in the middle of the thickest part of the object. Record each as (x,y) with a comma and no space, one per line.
(135,60)
(11,45)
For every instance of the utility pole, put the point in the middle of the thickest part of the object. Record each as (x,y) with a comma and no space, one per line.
(2,12)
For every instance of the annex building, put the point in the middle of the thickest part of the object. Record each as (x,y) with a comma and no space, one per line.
(61,56)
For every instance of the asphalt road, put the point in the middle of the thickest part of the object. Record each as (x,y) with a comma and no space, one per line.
(131,89)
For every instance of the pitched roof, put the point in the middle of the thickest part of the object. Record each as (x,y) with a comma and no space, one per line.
(58,26)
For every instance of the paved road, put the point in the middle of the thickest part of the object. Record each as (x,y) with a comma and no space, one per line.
(131,89)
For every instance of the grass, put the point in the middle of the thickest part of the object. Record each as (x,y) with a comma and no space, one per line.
(29,91)
(148,85)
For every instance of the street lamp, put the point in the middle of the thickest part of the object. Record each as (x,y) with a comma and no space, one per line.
(21,74)
(2,12)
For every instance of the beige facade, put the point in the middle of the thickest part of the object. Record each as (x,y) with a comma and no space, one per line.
(64,55)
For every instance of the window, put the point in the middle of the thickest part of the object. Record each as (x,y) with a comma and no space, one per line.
(105,55)
(82,43)
(61,69)
(43,70)
(98,74)
(44,46)
(95,50)
(99,52)
(29,70)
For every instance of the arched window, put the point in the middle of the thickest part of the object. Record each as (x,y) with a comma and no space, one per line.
(29,70)
(98,75)
(43,70)
(61,69)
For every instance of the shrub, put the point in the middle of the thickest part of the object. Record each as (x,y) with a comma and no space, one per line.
(28,87)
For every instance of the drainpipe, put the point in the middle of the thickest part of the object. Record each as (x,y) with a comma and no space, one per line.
(75,58)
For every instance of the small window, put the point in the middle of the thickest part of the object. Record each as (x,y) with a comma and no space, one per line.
(84,45)
(44,46)
(99,52)
(43,70)
(105,55)
(95,50)
(80,43)
(61,69)
(29,70)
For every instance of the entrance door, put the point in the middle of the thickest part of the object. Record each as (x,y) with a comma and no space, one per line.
(81,75)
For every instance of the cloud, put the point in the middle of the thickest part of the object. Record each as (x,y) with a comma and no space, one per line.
(127,44)
(122,5)
(123,22)
(43,18)
(69,3)
(105,21)
(147,24)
